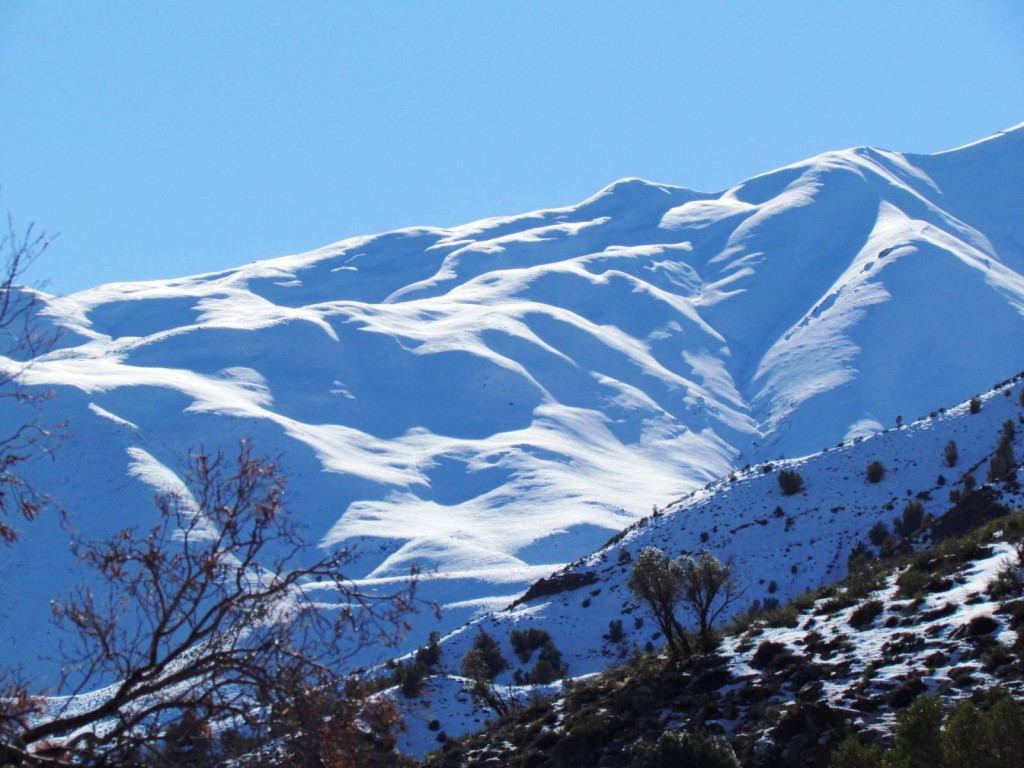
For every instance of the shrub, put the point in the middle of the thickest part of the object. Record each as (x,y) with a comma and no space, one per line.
(1003,462)
(970,736)
(917,734)
(1009,429)
(852,754)
(484,660)
(1006,583)
(969,482)
(678,748)
(875,471)
(542,673)
(864,614)
(878,533)
(410,677)
(430,654)
(951,454)
(912,583)
(525,643)
(1013,531)
(908,523)
(863,576)
(615,634)
(975,405)
(790,482)
(888,546)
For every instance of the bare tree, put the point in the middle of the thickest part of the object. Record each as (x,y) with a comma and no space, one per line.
(658,581)
(20,342)
(709,588)
(209,616)
(477,670)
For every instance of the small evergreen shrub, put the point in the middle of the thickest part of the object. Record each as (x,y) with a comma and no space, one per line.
(524,643)
(975,405)
(1007,583)
(790,482)
(864,614)
(852,754)
(484,659)
(875,471)
(1009,430)
(678,748)
(409,678)
(615,633)
(878,533)
(969,736)
(951,454)
(1003,463)
(909,522)
(430,654)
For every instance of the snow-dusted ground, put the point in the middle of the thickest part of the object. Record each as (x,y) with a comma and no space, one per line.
(774,555)
(494,400)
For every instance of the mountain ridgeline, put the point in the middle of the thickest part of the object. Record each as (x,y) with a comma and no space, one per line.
(492,401)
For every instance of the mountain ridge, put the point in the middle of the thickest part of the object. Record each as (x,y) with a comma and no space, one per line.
(485,400)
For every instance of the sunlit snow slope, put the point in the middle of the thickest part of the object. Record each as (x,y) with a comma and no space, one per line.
(493,400)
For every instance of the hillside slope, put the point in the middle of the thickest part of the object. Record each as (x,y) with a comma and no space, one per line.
(494,400)
(781,547)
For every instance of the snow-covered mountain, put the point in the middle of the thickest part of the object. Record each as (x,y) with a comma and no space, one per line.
(494,400)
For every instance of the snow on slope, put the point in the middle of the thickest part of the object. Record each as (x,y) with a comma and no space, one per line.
(493,400)
(781,546)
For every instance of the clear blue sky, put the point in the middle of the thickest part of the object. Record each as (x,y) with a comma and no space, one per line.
(164,139)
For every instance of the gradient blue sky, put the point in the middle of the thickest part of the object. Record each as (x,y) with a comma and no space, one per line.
(165,139)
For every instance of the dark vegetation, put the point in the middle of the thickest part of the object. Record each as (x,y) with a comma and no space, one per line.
(790,482)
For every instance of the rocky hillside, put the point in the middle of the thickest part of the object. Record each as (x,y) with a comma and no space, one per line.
(787,684)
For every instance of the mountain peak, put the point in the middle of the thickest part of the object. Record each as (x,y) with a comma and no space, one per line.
(495,400)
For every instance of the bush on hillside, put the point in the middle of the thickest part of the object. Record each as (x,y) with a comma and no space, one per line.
(1003,463)
(878,533)
(987,736)
(909,522)
(875,471)
(951,454)
(790,482)
(678,748)
(484,660)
